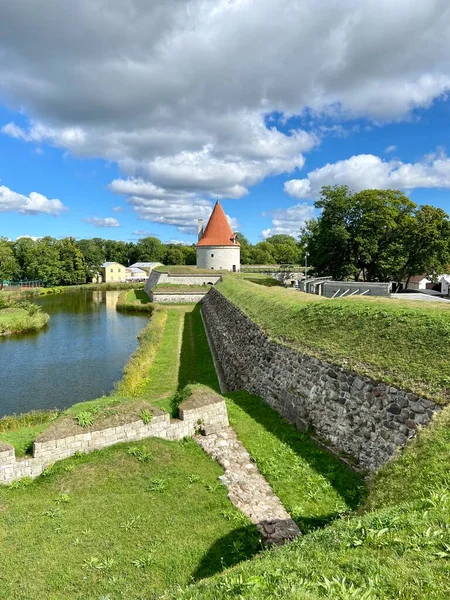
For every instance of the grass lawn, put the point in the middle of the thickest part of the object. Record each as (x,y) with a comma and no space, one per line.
(404,343)
(134,301)
(315,487)
(18,320)
(123,523)
(183,358)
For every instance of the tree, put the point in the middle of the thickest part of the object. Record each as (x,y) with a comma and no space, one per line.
(327,238)
(9,266)
(94,255)
(149,249)
(261,254)
(245,248)
(426,241)
(360,235)
(174,256)
(71,263)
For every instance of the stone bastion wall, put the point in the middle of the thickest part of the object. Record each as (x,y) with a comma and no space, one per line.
(176,297)
(207,413)
(366,419)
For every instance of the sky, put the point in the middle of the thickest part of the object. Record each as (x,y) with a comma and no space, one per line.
(126,118)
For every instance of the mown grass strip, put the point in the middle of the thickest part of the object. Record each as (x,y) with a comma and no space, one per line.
(403,343)
(162,380)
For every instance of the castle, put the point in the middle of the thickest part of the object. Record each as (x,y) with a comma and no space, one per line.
(217,246)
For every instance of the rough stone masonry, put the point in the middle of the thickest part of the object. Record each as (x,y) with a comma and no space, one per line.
(366,419)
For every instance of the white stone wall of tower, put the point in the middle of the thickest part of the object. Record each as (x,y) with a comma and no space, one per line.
(219,257)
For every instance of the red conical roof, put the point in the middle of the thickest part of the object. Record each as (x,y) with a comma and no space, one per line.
(218,231)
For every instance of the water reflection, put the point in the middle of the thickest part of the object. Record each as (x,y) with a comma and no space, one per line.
(78,357)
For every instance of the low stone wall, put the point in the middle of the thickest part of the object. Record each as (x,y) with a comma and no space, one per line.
(366,419)
(177,297)
(157,278)
(206,413)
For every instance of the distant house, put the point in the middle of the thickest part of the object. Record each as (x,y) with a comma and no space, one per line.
(112,272)
(135,274)
(418,282)
(146,266)
(444,280)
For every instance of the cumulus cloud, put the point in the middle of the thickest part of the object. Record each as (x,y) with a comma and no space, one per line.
(99,222)
(365,171)
(289,220)
(33,204)
(166,207)
(180,93)
(390,149)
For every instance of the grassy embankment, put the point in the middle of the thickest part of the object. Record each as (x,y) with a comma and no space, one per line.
(398,546)
(134,301)
(403,343)
(20,316)
(146,540)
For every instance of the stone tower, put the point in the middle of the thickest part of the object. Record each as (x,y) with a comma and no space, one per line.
(217,246)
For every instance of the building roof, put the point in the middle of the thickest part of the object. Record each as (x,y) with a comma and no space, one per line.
(136,270)
(418,278)
(148,265)
(218,231)
(109,263)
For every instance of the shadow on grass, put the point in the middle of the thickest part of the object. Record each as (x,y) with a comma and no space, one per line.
(141,297)
(196,364)
(240,544)
(349,485)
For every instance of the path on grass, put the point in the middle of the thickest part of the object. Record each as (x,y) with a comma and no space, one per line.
(248,490)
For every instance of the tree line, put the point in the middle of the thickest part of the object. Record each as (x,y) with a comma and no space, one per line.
(376,235)
(69,261)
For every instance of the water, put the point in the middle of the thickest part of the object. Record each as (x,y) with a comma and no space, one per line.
(78,357)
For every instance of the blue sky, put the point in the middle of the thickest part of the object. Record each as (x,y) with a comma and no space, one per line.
(135,130)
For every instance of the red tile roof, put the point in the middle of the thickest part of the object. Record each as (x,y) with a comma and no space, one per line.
(218,231)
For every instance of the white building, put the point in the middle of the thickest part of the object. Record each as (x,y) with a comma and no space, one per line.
(135,274)
(217,246)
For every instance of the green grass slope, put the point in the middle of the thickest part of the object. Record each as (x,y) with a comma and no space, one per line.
(404,343)
(397,547)
(126,522)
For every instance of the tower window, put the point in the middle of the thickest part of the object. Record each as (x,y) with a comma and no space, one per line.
(212,255)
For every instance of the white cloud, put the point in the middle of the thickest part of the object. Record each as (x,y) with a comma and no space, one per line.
(366,171)
(32,204)
(166,207)
(390,149)
(117,208)
(289,220)
(99,222)
(179,93)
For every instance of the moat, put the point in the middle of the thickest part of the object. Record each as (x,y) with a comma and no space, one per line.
(77,357)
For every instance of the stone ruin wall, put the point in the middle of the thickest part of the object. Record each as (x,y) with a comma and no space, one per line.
(210,417)
(366,419)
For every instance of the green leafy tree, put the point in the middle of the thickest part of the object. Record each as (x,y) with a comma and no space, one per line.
(174,256)
(245,248)
(426,242)
(149,249)
(71,263)
(9,267)
(94,255)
